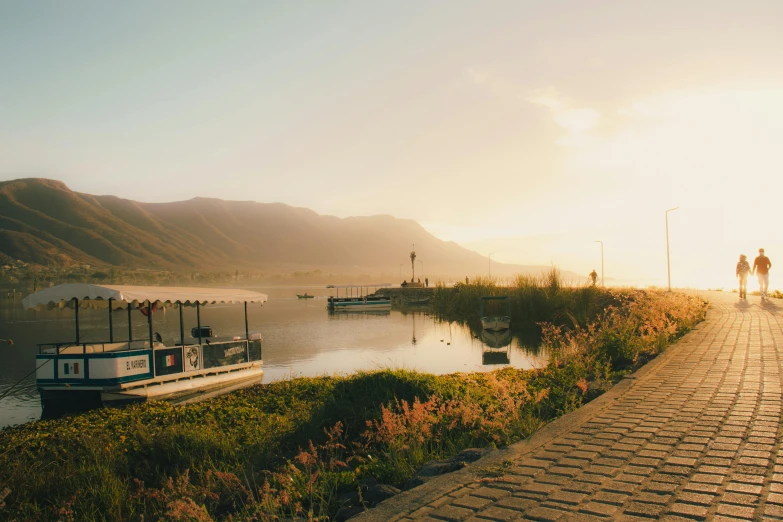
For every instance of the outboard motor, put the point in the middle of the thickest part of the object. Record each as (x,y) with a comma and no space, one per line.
(206,331)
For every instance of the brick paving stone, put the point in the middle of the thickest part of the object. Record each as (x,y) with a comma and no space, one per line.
(645,510)
(579,486)
(555,480)
(498,514)
(584,517)
(743,488)
(515,503)
(489,493)
(472,502)
(708,479)
(736,512)
(611,497)
(566,497)
(703,499)
(451,513)
(599,508)
(771,510)
(652,498)
(545,514)
(689,510)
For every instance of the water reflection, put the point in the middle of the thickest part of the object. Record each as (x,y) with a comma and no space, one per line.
(495,339)
(300,338)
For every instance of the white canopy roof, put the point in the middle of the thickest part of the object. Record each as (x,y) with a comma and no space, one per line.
(98,296)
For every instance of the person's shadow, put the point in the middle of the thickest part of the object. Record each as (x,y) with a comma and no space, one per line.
(767,304)
(742,305)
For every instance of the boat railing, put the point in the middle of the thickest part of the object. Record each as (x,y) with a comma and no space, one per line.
(94,346)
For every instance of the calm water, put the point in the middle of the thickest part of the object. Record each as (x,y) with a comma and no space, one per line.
(300,338)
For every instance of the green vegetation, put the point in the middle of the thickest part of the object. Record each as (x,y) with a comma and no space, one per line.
(534,300)
(294,449)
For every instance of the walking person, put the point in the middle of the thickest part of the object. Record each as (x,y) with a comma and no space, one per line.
(761,266)
(594,276)
(743,268)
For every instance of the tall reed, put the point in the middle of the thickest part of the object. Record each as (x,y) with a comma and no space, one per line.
(533,299)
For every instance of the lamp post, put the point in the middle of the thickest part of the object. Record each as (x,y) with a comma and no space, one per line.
(602,262)
(668,264)
(413,265)
(490,264)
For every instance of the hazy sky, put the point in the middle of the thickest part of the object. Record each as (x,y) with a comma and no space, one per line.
(526,129)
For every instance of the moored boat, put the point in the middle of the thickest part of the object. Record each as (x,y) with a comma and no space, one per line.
(79,374)
(359,302)
(497,322)
(304,296)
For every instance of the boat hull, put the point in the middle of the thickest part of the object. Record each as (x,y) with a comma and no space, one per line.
(181,388)
(496,324)
(358,303)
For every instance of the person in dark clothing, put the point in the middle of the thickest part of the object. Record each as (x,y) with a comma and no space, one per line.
(761,266)
(743,268)
(594,276)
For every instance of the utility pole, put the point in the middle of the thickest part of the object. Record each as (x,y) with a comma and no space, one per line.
(668,264)
(602,263)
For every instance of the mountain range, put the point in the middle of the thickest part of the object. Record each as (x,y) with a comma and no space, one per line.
(44,222)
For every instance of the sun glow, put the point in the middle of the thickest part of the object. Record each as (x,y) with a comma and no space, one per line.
(714,153)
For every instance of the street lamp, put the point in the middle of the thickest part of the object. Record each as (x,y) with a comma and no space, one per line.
(490,264)
(602,262)
(668,264)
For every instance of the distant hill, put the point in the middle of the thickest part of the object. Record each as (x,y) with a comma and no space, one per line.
(44,222)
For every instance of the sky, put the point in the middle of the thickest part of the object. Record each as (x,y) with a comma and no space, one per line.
(527,130)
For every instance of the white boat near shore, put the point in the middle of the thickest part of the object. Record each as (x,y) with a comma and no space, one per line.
(72,375)
(495,323)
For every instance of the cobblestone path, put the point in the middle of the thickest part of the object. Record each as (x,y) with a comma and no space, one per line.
(696,435)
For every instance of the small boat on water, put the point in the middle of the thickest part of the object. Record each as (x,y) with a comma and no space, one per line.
(495,323)
(361,301)
(79,374)
(304,296)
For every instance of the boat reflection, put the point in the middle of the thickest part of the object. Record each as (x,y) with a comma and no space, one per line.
(497,349)
(357,314)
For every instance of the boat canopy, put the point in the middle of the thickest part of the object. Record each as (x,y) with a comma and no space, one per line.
(122,296)
(368,285)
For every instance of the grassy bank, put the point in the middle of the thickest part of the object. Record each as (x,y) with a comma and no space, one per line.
(294,448)
(533,300)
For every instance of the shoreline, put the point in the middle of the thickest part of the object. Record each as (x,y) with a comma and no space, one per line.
(312,445)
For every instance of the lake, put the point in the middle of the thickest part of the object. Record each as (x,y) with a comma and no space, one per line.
(300,338)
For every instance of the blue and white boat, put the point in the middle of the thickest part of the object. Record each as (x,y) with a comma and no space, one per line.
(79,374)
(361,301)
